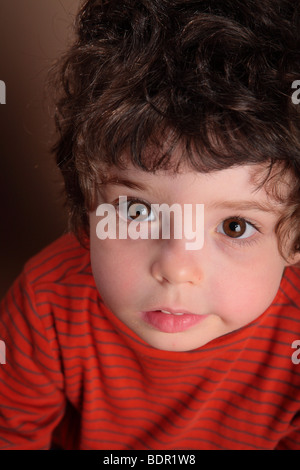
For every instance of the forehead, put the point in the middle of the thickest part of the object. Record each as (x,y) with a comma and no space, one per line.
(245,182)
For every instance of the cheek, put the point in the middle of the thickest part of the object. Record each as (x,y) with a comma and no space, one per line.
(118,269)
(243,294)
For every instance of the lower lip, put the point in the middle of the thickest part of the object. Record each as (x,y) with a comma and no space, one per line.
(168,323)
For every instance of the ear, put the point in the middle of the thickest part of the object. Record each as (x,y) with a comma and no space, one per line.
(294,259)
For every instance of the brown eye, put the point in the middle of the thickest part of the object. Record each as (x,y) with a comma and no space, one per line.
(234,227)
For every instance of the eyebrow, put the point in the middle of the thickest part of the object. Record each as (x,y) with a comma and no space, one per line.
(245,205)
(124,182)
(234,205)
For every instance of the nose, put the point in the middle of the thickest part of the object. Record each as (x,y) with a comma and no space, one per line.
(174,264)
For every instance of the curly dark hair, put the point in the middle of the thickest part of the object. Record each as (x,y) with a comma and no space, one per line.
(214,76)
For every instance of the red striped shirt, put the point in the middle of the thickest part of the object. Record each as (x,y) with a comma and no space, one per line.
(74,374)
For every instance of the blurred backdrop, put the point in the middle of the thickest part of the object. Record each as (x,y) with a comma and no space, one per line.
(33,33)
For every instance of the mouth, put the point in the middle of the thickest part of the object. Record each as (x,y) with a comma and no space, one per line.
(169,320)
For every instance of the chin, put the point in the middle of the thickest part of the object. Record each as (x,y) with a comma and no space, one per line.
(173,343)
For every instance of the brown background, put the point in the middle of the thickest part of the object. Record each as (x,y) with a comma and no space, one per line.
(32,34)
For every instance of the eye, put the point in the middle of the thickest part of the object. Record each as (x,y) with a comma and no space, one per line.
(136,210)
(236,227)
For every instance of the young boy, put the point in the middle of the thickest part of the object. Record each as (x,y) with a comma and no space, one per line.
(141,342)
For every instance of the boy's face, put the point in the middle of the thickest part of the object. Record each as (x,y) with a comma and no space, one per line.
(219,288)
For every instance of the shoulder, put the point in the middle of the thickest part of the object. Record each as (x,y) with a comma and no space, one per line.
(65,253)
(290,286)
